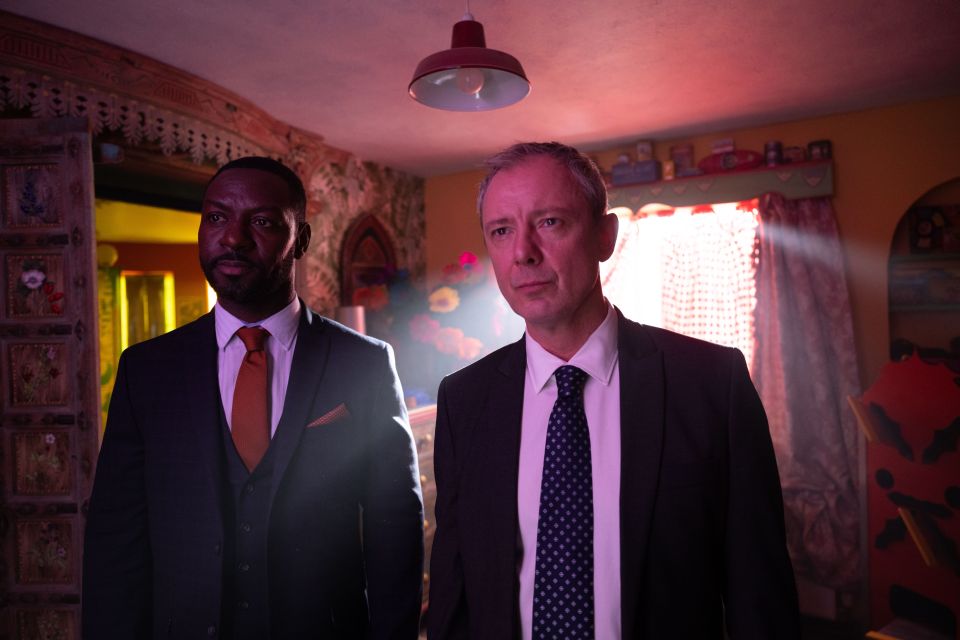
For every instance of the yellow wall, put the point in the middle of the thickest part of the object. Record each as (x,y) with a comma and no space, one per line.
(885,159)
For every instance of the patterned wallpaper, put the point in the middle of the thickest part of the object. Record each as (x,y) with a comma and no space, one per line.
(343,190)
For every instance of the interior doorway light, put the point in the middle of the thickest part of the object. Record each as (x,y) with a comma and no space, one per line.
(468,76)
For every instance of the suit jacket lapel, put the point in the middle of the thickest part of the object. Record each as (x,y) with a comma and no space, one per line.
(641,442)
(306,377)
(202,384)
(495,459)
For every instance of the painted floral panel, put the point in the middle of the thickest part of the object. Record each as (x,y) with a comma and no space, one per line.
(46,624)
(41,463)
(45,552)
(32,194)
(35,285)
(37,374)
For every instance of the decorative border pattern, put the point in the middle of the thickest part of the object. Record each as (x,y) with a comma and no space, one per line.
(68,71)
(51,97)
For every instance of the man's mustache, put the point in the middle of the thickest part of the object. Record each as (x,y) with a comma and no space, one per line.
(232,257)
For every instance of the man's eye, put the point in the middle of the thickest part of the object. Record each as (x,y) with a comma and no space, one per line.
(499,231)
(550,222)
(262,222)
(214,217)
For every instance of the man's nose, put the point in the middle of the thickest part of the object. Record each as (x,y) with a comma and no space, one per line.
(236,234)
(526,250)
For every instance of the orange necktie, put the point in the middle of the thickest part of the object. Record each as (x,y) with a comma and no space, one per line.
(250,424)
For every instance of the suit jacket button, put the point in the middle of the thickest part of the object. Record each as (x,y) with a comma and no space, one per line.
(216,548)
(244,604)
(212,630)
(249,487)
(243,566)
(245,527)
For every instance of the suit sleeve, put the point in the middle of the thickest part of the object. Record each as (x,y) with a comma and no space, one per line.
(117,571)
(392,512)
(447,615)
(760,596)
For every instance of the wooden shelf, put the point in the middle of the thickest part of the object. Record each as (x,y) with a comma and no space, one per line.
(793,181)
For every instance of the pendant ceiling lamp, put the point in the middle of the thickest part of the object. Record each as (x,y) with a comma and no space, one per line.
(468,76)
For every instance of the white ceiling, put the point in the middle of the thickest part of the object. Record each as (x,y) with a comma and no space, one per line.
(602,72)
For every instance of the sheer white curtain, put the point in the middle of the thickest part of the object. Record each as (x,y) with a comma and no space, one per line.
(691,270)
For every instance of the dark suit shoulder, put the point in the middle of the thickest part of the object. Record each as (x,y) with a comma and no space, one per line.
(674,342)
(186,337)
(641,339)
(503,360)
(340,333)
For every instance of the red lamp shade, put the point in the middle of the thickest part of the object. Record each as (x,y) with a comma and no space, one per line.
(468,76)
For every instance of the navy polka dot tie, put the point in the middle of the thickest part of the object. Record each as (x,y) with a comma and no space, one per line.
(563,587)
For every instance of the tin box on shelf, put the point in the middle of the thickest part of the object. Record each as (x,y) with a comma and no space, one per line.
(644,150)
(635,172)
(682,156)
(819,150)
(794,154)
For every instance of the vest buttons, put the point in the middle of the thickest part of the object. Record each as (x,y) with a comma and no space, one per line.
(216,549)
(245,527)
(212,630)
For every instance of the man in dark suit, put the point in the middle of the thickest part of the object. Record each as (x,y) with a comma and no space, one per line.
(598,478)
(258,477)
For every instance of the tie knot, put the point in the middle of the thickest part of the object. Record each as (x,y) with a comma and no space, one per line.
(253,337)
(570,381)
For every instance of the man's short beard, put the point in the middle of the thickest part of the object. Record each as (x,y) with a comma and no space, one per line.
(246,289)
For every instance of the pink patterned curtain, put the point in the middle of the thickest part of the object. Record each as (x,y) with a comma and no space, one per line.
(804,367)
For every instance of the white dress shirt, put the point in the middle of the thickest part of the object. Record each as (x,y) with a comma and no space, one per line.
(280,345)
(598,357)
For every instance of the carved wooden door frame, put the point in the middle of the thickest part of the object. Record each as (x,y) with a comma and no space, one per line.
(49,407)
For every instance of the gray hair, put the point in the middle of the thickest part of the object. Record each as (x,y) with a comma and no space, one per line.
(583,170)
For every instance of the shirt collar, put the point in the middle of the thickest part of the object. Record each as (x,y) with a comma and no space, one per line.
(282,325)
(596,357)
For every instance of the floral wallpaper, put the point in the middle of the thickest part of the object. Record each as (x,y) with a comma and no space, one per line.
(341,191)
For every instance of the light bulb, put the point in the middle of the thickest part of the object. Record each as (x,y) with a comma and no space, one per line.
(470,80)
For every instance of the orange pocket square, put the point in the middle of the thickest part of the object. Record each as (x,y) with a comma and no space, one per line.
(337,413)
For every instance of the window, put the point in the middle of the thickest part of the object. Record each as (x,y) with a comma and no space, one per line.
(691,270)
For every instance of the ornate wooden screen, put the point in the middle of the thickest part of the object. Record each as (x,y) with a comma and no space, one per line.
(49,408)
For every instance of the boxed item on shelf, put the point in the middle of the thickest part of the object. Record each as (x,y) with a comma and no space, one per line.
(722,145)
(644,150)
(635,172)
(682,156)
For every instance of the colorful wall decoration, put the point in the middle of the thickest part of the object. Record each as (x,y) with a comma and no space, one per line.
(911,419)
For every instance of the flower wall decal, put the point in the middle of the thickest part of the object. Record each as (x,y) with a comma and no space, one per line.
(438,331)
(444,300)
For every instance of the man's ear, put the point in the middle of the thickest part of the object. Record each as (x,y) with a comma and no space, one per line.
(609,226)
(302,241)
